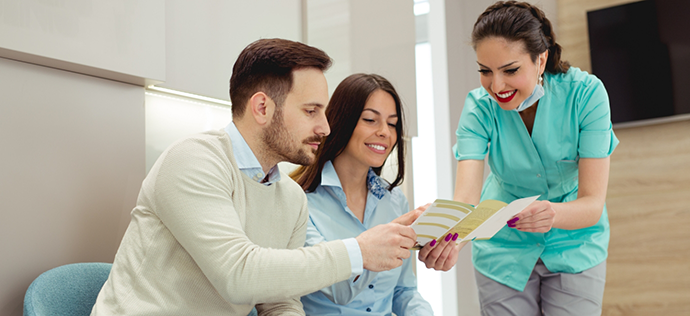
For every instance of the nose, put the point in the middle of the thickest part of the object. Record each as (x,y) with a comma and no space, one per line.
(384,130)
(497,83)
(322,128)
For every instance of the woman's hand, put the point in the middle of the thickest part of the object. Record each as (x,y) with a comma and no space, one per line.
(538,217)
(441,255)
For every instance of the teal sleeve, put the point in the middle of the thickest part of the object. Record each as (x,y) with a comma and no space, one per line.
(474,129)
(597,139)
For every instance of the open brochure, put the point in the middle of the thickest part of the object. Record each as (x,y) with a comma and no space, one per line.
(480,222)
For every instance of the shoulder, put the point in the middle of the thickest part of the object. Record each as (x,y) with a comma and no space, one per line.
(480,105)
(202,143)
(398,201)
(212,147)
(478,97)
(398,197)
(574,81)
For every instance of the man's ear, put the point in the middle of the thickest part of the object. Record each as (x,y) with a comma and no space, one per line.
(261,107)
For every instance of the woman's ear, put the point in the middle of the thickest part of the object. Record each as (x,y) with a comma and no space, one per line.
(543,57)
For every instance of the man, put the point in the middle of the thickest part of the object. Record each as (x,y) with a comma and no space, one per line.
(217,228)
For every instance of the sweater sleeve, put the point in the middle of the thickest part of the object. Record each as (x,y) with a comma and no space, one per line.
(192,196)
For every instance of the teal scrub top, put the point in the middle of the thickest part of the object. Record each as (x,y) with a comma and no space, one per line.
(572,122)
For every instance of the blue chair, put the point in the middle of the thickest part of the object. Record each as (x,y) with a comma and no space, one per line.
(66,290)
(69,290)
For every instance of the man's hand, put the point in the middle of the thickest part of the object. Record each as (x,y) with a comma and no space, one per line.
(385,246)
(408,218)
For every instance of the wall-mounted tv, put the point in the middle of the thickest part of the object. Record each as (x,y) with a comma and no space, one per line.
(641,51)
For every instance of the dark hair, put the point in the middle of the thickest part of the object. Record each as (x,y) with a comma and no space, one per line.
(343,113)
(521,21)
(266,65)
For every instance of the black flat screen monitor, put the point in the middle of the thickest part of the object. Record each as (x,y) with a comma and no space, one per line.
(641,51)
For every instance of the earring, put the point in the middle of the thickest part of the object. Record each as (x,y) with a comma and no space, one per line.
(541,80)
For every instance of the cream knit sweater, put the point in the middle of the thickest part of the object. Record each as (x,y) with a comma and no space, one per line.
(205,239)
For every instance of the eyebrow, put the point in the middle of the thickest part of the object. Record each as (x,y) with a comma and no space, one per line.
(378,113)
(318,105)
(506,65)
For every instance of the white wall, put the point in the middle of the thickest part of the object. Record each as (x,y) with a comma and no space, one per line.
(72,162)
(204,37)
(370,37)
(119,40)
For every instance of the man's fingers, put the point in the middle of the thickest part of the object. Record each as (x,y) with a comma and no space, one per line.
(407,232)
(403,253)
(423,207)
(408,218)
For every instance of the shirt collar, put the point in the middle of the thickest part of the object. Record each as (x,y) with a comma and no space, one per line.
(329,177)
(374,183)
(246,160)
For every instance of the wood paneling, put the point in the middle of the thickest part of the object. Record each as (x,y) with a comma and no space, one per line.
(649,212)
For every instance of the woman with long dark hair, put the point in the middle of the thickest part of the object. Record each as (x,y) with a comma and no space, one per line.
(347,196)
(547,130)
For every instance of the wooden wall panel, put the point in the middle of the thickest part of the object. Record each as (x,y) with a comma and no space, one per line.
(649,211)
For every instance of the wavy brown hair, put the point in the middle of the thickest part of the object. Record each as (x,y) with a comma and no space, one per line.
(343,112)
(521,21)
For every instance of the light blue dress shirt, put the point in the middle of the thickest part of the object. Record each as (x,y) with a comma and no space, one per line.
(249,164)
(572,122)
(247,161)
(373,293)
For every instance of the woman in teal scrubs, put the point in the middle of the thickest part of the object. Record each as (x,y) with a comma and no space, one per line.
(547,131)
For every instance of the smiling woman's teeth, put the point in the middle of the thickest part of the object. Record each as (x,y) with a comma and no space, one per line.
(505,95)
(377,147)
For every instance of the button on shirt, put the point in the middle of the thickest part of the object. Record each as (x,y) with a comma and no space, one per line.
(572,122)
(249,164)
(381,293)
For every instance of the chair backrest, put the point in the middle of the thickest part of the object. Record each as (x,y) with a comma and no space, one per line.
(66,290)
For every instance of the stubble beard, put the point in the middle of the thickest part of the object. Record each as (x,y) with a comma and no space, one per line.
(279,143)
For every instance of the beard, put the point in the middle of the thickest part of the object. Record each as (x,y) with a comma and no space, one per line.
(280,143)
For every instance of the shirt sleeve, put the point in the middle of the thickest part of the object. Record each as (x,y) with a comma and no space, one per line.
(597,139)
(342,293)
(193,189)
(474,129)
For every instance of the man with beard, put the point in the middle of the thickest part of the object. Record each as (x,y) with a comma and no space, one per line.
(217,229)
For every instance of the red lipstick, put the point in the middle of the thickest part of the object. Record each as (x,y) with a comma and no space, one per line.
(505,100)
